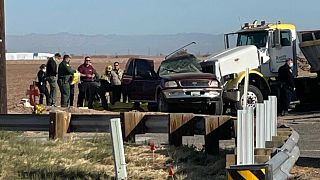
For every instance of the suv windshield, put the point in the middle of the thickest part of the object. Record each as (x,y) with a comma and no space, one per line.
(183,64)
(258,38)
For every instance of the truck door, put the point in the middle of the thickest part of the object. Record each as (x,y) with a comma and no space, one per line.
(145,81)
(278,55)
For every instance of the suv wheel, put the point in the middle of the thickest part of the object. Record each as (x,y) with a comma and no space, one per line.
(162,103)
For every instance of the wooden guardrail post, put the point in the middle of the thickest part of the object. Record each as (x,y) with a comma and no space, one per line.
(216,128)
(180,124)
(131,124)
(58,124)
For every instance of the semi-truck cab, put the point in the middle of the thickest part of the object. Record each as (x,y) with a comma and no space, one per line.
(261,47)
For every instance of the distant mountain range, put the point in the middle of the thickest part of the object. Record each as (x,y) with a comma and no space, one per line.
(79,44)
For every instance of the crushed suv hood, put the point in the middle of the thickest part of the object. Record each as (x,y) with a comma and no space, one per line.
(181,76)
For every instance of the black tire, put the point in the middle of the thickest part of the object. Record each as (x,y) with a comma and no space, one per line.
(162,103)
(253,92)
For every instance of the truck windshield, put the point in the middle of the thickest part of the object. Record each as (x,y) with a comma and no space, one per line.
(258,38)
(179,65)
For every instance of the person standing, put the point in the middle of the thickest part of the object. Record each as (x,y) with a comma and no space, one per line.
(116,77)
(52,71)
(71,94)
(105,86)
(87,85)
(65,73)
(42,84)
(287,86)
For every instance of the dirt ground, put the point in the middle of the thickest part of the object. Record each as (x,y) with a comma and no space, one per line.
(20,74)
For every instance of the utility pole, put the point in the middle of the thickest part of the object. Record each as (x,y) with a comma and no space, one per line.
(3,64)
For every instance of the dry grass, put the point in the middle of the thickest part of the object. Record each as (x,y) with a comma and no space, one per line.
(70,159)
(76,158)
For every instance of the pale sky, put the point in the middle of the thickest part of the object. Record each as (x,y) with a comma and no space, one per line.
(141,17)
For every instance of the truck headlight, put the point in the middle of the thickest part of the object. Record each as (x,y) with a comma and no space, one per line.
(170,84)
(213,83)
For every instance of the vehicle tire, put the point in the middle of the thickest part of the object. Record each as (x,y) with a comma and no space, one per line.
(162,103)
(254,96)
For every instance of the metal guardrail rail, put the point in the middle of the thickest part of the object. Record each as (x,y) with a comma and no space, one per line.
(24,122)
(176,125)
(282,149)
(154,122)
(157,123)
(285,158)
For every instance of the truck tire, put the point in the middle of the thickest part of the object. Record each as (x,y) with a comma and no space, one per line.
(254,96)
(162,103)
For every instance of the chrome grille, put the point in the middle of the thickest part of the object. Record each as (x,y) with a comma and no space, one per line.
(194,83)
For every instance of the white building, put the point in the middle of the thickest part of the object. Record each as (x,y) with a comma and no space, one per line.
(28,56)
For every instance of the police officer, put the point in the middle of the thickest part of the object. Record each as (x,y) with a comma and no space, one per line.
(71,94)
(52,71)
(287,86)
(65,73)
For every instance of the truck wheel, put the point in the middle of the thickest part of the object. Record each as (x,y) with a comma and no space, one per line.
(254,96)
(162,103)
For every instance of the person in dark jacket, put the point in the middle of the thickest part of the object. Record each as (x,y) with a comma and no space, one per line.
(71,94)
(105,86)
(65,73)
(52,71)
(42,84)
(286,79)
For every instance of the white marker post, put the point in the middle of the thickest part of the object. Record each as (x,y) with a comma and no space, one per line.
(273,115)
(118,151)
(245,91)
(250,136)
(260,125)
(240,138)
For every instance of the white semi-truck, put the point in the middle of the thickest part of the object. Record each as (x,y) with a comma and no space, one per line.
(263,48)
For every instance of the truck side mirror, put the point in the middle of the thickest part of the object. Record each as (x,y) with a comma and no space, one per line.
(277,38)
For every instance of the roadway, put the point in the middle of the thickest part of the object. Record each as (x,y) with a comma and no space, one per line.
(307,124)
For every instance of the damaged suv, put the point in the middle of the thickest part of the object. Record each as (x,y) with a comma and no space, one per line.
(179,85)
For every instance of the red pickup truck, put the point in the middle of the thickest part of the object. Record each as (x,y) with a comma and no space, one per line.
(179,85)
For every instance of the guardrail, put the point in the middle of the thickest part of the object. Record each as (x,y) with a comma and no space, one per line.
(285,157)
(176,125)
(271,142)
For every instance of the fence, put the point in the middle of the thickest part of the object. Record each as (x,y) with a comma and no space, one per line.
(176,125)
(268,139)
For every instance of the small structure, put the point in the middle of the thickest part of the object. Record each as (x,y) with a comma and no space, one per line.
(28,56)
